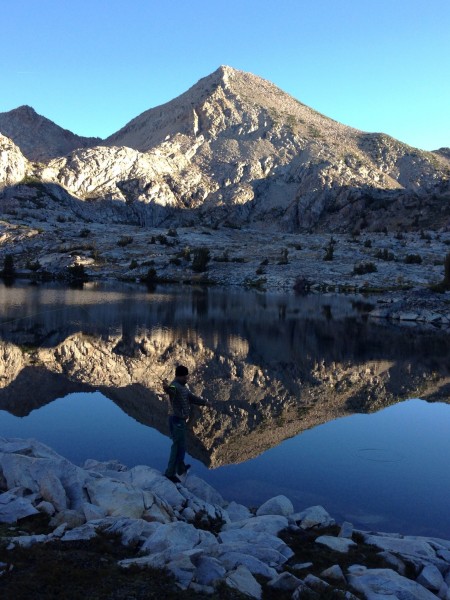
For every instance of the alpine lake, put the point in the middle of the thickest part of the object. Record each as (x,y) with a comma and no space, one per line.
(310,397)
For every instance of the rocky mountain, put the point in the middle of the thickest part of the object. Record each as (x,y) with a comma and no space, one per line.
(236,149)
(39,138)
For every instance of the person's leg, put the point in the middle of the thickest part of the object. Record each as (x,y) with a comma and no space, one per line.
(178,449)
(171,466)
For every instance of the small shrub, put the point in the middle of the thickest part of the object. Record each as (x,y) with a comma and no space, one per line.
(175,261)
(162,240)
(61,219)
(33,265)
(222,257)
(264,262)
(329,250)
(413,259)
(284,257)
(172,232)
(133,264)
(368,244)
(9,270)
(425,236)
(200,260)
(125,240)
(384,254)
(259,271)
(363,268)
(84,233)
(186,253)
(150,276)
(76,273)
(444,285)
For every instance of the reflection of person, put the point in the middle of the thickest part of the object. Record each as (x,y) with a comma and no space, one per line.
(180,400)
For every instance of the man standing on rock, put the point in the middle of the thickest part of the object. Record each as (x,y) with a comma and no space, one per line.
(180,400)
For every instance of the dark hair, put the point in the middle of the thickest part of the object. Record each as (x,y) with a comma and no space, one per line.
(181,371)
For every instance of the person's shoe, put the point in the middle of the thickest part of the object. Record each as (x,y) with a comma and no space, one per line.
(173,478)
(185,470)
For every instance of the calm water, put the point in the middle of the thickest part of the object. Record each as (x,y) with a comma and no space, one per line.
(387,470)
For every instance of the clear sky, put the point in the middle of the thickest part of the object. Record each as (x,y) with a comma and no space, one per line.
(92,65)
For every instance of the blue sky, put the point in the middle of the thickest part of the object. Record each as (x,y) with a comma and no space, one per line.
(92,65)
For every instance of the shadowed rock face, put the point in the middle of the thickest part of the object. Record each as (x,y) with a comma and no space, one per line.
(270,373)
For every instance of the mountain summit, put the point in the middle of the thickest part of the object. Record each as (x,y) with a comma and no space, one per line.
(235,148)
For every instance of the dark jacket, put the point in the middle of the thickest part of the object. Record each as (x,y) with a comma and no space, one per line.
(180,400)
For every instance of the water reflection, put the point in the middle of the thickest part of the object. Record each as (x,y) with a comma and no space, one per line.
(273,366)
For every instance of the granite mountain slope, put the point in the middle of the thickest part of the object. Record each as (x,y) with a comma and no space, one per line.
(236,148)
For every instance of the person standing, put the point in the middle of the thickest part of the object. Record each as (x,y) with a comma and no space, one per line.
(180,400)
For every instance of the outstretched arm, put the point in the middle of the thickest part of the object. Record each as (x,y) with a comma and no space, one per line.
(193,399)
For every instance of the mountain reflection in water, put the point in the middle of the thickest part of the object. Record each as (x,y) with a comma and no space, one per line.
(274,366)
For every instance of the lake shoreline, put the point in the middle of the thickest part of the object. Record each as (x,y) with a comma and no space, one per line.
(202,540)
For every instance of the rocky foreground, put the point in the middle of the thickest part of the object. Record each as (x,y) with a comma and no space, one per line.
(206,544)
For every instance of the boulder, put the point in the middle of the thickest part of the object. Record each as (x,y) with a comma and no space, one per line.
(335,573)
(46,507)
(431,578)
(146,478)
(279,505)
(265,523)
(314,516)
(242,580)
(408,547)
(132,532)
(231,560)
(116,498)
(203,490)
(85,532)
(237,512)
(209,571)
(346,530)
(285,582)
(71,518)
(178,536)
(12,508)
(334,543)
(384,583)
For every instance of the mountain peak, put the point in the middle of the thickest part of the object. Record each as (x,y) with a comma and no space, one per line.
(38,137)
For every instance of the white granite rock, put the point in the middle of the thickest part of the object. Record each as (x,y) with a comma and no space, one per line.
(265,523)
(183,571)
(242,580)
(12,508)
(85,532)
(46,507)
(279,505)
(91,511)
(314,516)
(231,560)
(131,531)
(71,518)
(209,570)
(394,561)
(431,578)
(346,530)
(203,490)
(237,512)
(410,547)
(116,498)
(334,572)
(337,544)
(146,478)
(257,538)
(385,583)
(265,554)
(285,581)
(178,536)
